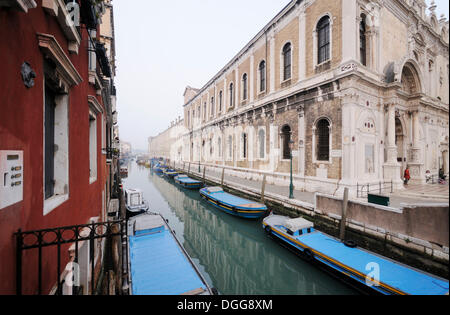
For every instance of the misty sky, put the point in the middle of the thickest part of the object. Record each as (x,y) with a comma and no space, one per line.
(163,46)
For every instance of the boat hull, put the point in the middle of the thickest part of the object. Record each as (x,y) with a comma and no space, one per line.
(358,279)
(235,210)
(188,185)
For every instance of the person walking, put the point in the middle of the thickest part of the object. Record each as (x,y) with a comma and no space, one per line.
(407,176)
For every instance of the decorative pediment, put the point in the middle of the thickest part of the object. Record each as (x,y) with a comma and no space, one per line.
(65,70)
(20,5)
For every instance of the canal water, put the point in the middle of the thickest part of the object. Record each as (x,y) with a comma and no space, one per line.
(234,255)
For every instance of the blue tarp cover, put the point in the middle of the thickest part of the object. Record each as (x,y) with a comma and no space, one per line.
(395,275)
(230,199)
(159,266)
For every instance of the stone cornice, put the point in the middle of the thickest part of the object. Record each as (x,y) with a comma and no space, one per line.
(92,100)
(52,50)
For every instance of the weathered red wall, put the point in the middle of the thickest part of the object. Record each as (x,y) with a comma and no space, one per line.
(21,128)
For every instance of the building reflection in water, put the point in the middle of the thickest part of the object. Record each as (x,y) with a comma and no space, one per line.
(235,253)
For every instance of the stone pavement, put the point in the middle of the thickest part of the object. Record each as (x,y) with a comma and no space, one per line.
(413,194)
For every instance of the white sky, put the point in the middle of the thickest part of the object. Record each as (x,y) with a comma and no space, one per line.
(163,46)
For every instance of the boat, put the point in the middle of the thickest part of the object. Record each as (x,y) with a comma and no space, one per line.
(232,204)
(170,173)
(158,169)
(158,263)
(187,182)
(135,203)
(360,268)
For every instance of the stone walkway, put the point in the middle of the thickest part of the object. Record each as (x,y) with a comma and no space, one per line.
(413,194)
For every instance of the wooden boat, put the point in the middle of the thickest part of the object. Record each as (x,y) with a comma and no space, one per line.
(363,269)
(158,263)
(135,203)
(187,182)
(232,204)
(170,173)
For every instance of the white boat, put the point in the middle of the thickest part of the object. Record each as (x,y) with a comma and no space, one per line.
(135,203)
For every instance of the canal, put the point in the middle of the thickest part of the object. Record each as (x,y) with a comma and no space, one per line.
(234,255)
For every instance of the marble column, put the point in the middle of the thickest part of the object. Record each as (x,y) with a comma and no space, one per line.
(416,165)
(391,166)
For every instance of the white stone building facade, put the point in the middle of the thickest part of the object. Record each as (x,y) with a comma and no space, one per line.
(358,89)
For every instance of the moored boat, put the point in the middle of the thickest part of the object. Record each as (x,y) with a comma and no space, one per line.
(366,270)
(232,204)
(158,263)
(135,203)
(187,182)
(170,173)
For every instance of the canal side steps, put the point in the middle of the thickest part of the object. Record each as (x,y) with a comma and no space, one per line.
(413,251)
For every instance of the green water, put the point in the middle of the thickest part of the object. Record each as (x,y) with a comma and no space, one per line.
(234,255)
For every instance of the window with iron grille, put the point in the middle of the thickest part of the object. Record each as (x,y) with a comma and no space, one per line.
(287,54)
(262,142)
(362,41)
(323,140)
(323,33)
(262,76)
(244,145)
(231,95)
(244,86)
(286,138)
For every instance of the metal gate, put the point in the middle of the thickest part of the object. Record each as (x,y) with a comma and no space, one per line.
(40,239)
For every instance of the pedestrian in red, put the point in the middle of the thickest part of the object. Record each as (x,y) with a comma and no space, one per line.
(407,176)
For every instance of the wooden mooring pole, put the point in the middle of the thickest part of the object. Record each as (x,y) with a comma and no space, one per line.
(223,177)
(204,173)
(263,189)
(344,215)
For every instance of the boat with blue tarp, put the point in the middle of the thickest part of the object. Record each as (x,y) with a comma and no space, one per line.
(170,173)
(367,270)
(187,182)
(232,204)
(158,263)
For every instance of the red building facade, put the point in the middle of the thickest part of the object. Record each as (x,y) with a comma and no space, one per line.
(55,126)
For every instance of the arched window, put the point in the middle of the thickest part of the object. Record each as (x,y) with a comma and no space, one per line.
(230,147)
(244,145)
(286,138)
(323,39)
(220,101)
(262,142)
(231,95)
(287,61)
(244,86)
(323,140)
(362,41)
(262,76)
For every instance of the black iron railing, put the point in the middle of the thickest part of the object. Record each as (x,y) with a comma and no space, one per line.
(363,190)
(40,239)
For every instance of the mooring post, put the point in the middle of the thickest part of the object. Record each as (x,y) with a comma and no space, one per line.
(344,215)
(223,176)
(263,188)
(204,171)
